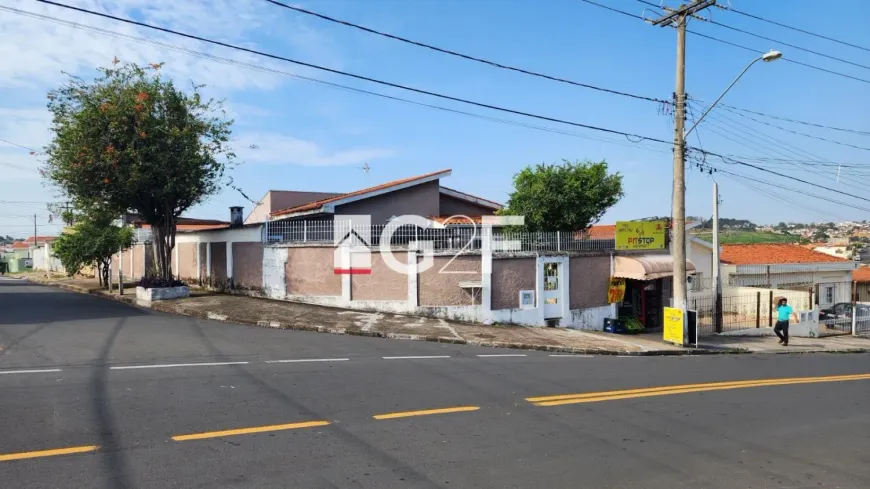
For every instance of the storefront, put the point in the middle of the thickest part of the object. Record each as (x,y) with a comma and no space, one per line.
(648,287)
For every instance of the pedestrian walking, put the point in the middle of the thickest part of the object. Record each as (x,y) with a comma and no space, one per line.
(784,312)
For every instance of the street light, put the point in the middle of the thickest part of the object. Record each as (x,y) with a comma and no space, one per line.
(767,57)
(680,196)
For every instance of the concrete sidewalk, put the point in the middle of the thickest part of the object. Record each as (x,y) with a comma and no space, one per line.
(307,317)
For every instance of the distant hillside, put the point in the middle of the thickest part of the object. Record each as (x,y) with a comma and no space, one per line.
(748,237)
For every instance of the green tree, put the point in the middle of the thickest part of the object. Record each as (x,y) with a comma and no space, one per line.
(563,197)
(130,140)
(92,241)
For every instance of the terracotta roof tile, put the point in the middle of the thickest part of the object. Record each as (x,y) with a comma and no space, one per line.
(773,253)
(861,275)
(20,245)
(41,239)
(456,219)
(317,204)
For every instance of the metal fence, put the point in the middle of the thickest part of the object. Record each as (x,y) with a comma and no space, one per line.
(744,308)
(451,237)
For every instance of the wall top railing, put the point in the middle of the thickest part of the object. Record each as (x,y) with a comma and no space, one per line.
(451,237)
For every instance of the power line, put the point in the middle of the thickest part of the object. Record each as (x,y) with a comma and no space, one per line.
(799,48)
(801,192)
(786,119)
(416,90)
(229,61)
(789,60)
(797,29)
(629,14)
(352,75)
(798,132)
(465,56)
(735,29)
(739,162)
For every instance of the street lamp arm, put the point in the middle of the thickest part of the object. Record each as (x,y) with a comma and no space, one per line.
(698,121)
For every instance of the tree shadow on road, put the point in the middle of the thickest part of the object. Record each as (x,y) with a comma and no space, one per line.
(26,303)
(397,467)
(113,459)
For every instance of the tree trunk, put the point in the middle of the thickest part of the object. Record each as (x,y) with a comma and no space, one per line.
(99,273)
(104,272)
(164,242)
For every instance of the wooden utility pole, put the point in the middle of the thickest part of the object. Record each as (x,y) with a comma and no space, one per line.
(677,18)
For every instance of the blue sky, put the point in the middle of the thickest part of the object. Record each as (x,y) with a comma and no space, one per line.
(312,137)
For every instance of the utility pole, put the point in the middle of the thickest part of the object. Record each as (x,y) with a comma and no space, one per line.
(677,18)
(121,260)
(717,282)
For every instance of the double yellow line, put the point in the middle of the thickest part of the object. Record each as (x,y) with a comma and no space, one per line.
(683,389)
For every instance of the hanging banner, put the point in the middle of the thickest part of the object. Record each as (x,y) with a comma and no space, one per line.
(640,235)
(673,327)
(616,290)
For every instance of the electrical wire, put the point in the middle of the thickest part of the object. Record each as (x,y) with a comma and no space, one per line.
(348,74)
(773,195)
(229,61)
(729,43)
(797,29)
(788,60)
(786,119)
(799,191)
(464,56)
(798,132)
(773,172)
(799,48)
(416,90)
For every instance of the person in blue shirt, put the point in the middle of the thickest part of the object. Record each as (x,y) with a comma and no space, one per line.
(784,312)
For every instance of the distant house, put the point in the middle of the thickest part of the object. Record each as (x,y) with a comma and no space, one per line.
(862,287)
(790,267)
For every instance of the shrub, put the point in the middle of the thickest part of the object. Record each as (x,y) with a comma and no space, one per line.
(157,282)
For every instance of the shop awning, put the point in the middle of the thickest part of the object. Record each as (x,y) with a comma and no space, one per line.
(647,267)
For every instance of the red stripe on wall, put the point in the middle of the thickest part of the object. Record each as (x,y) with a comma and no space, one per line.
(352,271)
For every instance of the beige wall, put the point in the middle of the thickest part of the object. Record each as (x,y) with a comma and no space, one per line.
(451,206)
(590,277)
(309,271)
(383,283)
(248,265)
(138,252)
(276,200)
(509,277)
(218,263)
(186,261)
(442,289)
(420,199)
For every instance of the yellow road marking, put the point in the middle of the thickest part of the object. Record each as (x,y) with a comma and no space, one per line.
(251,430)
(426,412)
(684,389)
(48,453)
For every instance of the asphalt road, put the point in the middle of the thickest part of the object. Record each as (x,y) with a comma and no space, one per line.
(132,398)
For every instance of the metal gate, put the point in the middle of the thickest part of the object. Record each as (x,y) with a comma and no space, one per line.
(552,290)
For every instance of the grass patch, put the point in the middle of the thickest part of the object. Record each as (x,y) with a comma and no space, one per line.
(751,237)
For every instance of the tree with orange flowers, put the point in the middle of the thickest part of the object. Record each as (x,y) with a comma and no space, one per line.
(130,140)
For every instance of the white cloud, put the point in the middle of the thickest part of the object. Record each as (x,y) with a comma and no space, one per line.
(273,148)
(53,47)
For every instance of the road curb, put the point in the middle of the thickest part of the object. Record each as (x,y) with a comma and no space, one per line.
(168,308)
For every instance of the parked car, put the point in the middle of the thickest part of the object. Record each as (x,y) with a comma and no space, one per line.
(839,316)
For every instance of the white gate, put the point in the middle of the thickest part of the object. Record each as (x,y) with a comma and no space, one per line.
(553,290)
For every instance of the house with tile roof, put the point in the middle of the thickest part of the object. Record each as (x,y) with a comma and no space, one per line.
(421,195)
(788,267)
(861,276)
